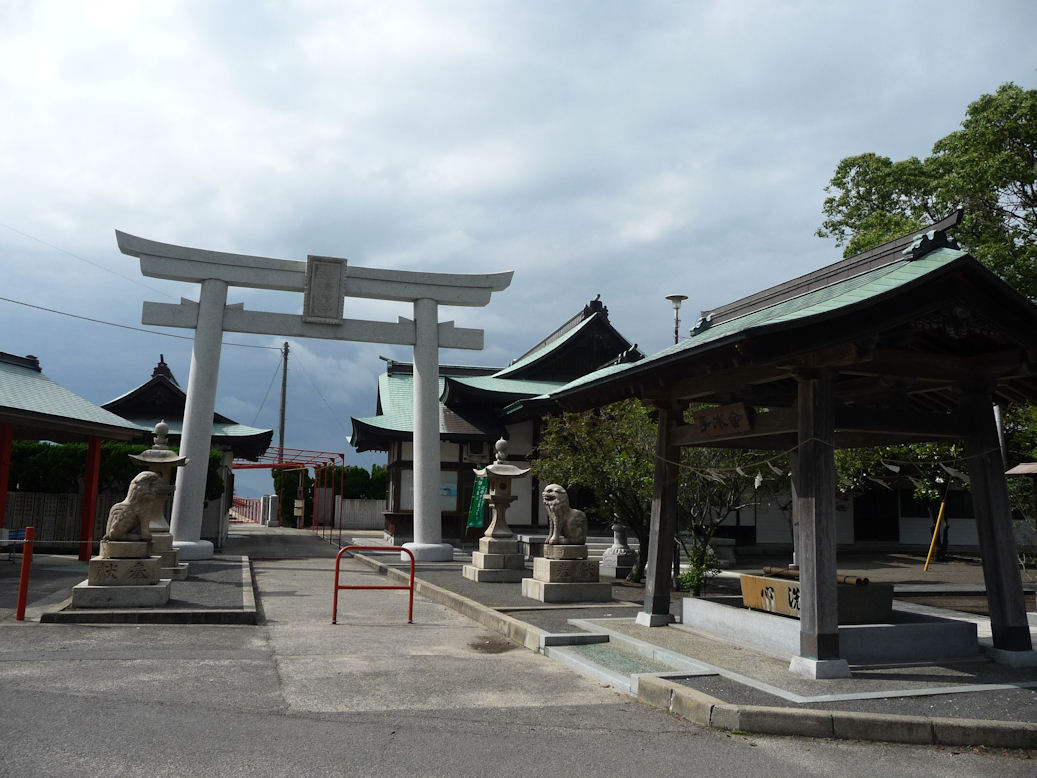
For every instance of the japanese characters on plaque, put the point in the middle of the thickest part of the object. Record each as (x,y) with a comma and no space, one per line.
(722,421)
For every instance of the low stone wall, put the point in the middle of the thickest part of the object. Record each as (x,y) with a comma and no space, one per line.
(907,636)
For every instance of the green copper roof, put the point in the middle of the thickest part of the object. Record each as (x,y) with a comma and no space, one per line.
(28,391)
(532,357)
(506,386)
(840,296)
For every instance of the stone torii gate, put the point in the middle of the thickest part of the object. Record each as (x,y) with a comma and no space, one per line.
(324,282)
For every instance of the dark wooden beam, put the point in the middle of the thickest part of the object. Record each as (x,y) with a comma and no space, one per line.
(942,368)
(708,384)
(905,423)
(1005,603)
(777,428)
(814,511)
(663,522)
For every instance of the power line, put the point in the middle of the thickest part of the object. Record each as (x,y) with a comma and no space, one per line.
(126,326)
(87,261)
(324,400)
(269,386)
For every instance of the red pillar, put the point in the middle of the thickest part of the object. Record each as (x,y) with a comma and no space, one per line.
(6,437)
(93,472)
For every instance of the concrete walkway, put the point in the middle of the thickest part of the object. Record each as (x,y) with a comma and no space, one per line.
(708,681)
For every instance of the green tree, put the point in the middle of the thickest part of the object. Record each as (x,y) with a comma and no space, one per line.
(378,485)
(356,483)
(60,468)
(930,469)
(610,452)
(291,485)
(988,168)
(715,482)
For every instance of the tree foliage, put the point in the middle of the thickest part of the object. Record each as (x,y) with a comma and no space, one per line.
(350,482)
(610,452)
(988,168)
(61,468)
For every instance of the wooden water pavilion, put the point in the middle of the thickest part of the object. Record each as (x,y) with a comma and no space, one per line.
(912,341)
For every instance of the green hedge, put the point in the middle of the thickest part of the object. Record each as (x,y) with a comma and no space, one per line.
(61,468)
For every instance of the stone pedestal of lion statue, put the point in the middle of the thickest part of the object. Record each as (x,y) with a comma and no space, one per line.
(126,574)
(564,573)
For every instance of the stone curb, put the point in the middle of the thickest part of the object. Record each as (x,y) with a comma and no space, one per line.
(708,711)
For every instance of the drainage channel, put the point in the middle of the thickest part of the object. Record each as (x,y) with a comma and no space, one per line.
(617,660)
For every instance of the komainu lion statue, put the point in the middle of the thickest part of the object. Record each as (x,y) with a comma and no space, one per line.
(568,526)
(129,519)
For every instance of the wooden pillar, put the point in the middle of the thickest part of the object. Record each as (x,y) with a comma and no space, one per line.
(663,525)
(1007,608)
(814,512)
(6,438)
(91,480)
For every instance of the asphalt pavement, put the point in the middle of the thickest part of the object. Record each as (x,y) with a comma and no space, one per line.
(696,677)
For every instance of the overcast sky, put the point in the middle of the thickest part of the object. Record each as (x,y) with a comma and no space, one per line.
(628,149)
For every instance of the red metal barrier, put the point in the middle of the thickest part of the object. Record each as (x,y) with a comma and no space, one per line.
(407,551)
(247,509)
(23,581)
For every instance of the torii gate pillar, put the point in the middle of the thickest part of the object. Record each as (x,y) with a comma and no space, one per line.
(324,281)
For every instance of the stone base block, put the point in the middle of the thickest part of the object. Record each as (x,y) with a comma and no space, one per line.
(428,552)
(176,573)
(566,592)
(85,595)
(123,572)
(498,561)
(819,668)
(498,545)
(161,541)
(125,549)
(482,575)
(559,551)
(614,568)
(565,570)
(653,619)
(194,549)
(1012,658)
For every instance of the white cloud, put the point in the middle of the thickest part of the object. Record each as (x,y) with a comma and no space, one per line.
(594,146)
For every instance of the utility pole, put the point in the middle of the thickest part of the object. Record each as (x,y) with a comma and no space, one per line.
(284,393)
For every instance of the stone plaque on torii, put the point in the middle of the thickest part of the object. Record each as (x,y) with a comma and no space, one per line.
(324,283)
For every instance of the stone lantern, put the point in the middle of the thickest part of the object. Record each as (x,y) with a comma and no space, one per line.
(498,558)
(161,459)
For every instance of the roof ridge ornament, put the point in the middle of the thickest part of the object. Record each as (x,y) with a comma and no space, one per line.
(928,241)
(703,324)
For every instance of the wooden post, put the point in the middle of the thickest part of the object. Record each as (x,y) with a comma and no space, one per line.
(1007,608)
(663,525)
(6,438)
(93,474)
(814,511)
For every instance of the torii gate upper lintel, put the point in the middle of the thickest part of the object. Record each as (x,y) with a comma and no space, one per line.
(324,282)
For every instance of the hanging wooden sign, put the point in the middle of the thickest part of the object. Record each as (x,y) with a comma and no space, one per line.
(722,421)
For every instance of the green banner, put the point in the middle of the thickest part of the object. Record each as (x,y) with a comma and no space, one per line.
(476,512)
